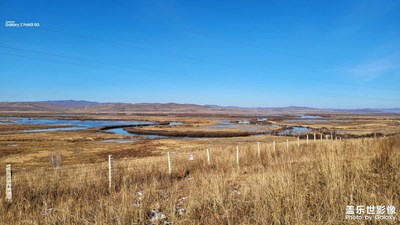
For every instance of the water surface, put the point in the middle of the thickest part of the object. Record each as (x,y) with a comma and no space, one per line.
(78,123)
(54,129)
(295,131)
(310,117)
(126,133)
(75,124)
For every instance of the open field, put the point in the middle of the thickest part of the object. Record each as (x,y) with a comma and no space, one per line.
(200,112)
(307,184)
(84,146)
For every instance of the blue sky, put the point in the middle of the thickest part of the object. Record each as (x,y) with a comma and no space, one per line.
(329,54)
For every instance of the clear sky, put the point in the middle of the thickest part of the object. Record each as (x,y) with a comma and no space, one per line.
(329,54)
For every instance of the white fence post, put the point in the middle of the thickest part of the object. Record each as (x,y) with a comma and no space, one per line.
(110,171)
(331,135)
(208,157)
(321,136)
(287,144)
(298,141)
(8,183)
(274,147)
(258,150)
(169,163)
(307,138)
(315,137)
(237,155)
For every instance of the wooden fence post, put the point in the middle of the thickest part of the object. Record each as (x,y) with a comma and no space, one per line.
(273,144)
(237,155)
(315,137)
(298,141)
(110,171)
(258,150)
(208,157)
(169,163)
(287,144)
(307,138)
(321,136)
(8,183)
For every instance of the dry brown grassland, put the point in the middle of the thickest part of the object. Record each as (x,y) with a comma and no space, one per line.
(310,184)
(307,184)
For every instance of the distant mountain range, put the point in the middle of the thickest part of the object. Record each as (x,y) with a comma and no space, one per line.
(73,106)
(71,103)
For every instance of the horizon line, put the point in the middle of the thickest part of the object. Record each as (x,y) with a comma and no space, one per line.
(178,103)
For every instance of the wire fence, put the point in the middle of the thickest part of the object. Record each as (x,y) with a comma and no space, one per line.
(175,164)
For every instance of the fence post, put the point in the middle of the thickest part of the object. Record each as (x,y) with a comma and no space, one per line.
(169,163)
(208,157)
(258,150)
(298,141)
(287,144)
(331,135)
(8,183)
(273,144)
(237,155)
(307,138)
(110,171)
(315,137)
(321,136)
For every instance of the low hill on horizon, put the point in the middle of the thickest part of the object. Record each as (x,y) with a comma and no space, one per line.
(81,106)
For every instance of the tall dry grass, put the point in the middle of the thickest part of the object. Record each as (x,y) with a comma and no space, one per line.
(310,184)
